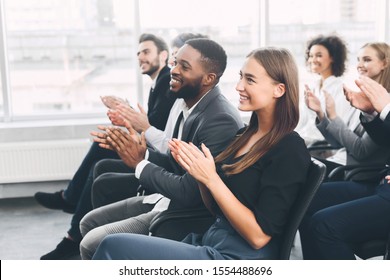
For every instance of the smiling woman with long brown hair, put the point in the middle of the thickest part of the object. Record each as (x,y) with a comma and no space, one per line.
(244,189)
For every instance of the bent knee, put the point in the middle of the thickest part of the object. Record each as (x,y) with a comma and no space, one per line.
(323,224)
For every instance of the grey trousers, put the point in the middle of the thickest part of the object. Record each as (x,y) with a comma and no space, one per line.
(139,247)
(127,216)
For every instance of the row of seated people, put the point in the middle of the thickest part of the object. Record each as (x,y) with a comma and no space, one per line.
(181,175)
(342,212)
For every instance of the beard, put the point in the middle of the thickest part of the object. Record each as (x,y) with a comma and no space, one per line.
(188,91)
(153,69)
(154,66)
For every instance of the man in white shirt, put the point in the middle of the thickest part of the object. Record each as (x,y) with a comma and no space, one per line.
(208,117)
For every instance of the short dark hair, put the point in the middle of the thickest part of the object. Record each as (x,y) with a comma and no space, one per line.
(337,50)
(214,57)
(158,41)
(180,39)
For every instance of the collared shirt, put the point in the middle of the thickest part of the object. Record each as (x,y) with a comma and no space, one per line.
(186,112)
(385,112)
(153,84)
(161,201)
(159,139)
(369,117)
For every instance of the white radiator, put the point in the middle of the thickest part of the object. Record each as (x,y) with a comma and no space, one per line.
(41,160)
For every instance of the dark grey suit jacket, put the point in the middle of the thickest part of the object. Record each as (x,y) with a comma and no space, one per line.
(213,122)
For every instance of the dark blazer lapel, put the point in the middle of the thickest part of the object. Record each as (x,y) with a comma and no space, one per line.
(164,72)
(153,94)
(214,93)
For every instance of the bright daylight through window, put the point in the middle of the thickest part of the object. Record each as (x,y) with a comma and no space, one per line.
(62,55)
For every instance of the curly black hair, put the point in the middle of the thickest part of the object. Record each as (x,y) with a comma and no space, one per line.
(337,50)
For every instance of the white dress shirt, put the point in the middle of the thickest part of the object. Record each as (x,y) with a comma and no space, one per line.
(159,139)
(161,202)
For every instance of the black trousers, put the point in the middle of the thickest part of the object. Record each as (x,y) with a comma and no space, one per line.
(113,181)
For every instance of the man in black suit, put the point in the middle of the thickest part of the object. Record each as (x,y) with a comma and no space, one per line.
(208,117)
(153,58)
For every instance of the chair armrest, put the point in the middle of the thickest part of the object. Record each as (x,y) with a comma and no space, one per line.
(354,169)
(318,143)
(176,224)
(321,145)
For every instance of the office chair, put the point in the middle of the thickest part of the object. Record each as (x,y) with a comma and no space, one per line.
(373,248)
(176,224)
(320,145)
(372,172)
(315,177)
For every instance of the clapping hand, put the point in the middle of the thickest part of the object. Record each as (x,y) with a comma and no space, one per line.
(359,100)
(101,136)
(199,164)
(116,117)
(111,101)
(313,103)
(330,106)
(139,120)
(375,92)
(128,144)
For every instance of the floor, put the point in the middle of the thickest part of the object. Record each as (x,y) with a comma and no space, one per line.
(28,230)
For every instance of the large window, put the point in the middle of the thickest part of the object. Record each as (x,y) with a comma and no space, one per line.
(356,21)
(234,24)
(1,101)
(64,54)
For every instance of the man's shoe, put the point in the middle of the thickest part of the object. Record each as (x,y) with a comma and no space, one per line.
(54,201)
(66,250)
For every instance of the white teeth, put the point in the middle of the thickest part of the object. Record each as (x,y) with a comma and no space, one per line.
(243,98)
(173,80)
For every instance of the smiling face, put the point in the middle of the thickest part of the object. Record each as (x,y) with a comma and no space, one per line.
(369,63)
(187,73)
(320,61)
(149,59)
(257,90)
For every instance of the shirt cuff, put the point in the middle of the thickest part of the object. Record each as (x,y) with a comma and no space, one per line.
(140,167)
(149,132)
(146,154)
(369,117)
(385,112)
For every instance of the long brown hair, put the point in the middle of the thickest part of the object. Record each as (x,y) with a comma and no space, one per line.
(383,52)
(281,67)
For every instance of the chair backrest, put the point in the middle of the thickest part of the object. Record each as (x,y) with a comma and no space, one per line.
(315,177)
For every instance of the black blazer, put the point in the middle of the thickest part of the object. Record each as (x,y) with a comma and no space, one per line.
(378,130)
(160,101)
(213,122)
